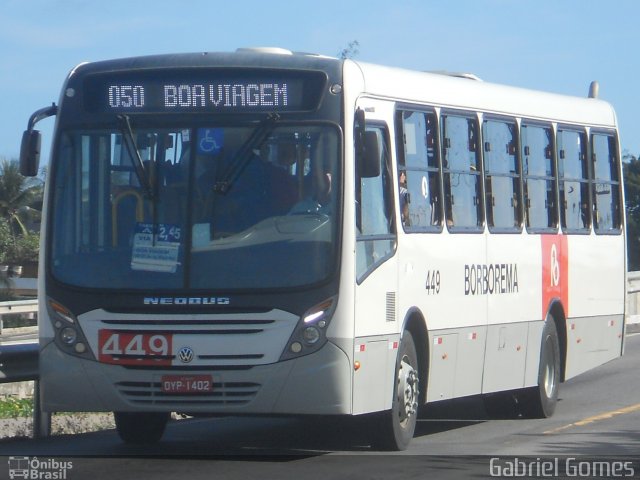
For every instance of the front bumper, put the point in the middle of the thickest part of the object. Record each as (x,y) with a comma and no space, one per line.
(316,384)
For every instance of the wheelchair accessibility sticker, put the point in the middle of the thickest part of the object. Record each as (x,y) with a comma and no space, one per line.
(210,141)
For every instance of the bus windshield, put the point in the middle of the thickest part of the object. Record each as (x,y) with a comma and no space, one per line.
(198,207)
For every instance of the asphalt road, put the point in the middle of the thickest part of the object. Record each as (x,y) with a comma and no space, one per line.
(598,416)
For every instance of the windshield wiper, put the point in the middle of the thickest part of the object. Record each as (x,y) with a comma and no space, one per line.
(245,154)
(132,148)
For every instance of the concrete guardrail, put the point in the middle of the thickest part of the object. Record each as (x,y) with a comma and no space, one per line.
(19,363)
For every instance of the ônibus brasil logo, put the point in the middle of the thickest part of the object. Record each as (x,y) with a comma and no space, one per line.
(38,469)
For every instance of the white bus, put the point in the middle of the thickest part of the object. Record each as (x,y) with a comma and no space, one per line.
(275,233)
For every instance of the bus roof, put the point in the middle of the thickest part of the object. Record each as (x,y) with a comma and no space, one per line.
(242,58)
(449,91)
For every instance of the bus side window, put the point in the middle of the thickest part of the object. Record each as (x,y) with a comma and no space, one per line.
(539,178)
(375,229)
(461,171)
(606,184)
(573,175)
(419,172)
(502,175)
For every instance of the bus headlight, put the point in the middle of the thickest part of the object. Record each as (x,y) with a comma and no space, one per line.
(68,335)
(310,333)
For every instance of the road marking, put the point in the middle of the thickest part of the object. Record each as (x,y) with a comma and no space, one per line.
(597,418)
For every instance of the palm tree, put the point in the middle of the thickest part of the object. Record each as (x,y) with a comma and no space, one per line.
(6,241)
(18,196)
(631,169)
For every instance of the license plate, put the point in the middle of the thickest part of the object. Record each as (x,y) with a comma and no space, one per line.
(133,348)
(186,384)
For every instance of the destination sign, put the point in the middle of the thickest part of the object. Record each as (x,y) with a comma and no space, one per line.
(211,91)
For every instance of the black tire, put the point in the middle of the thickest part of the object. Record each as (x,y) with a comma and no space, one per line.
(394,429)
(140,428)
(540,401)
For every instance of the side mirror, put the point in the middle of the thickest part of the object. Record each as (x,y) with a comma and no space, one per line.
(369,161)
(367,148)
(31,140)
(30,153)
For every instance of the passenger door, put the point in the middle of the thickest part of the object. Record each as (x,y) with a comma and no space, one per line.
(376,279)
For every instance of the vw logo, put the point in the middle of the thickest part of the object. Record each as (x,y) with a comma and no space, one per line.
(185,354)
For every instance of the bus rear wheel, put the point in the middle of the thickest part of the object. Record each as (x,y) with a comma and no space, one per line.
(394,429)
(140,427)
(540,401)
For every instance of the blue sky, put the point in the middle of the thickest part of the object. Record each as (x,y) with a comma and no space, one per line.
(553,45)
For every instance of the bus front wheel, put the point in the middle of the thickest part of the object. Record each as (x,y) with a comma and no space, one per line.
(394,428)
(140,427)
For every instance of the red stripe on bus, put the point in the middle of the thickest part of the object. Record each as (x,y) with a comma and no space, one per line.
(555,271)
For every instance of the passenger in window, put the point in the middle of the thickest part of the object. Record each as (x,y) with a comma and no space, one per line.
(448,203)
(404,198)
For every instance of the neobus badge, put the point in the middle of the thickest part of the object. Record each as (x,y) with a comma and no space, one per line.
(186,301)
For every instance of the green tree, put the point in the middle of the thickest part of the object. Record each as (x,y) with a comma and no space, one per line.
(6,244)
(20,206)
(631,172)
(6,240)
(20,197)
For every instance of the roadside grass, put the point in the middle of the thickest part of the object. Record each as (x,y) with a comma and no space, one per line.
(16,420)
(11,407)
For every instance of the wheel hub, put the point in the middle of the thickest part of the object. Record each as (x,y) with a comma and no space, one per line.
(549,373)
(407,390)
